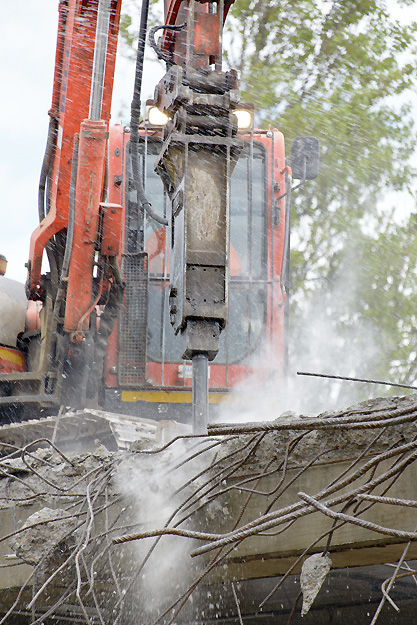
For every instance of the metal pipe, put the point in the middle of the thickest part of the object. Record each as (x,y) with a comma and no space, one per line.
(99,63)
(286,273)
(70,234)
(350,379)
(250,243)
(200,393)
(140,55)
(143,202)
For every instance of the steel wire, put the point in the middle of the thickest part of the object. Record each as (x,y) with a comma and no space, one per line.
(91,497)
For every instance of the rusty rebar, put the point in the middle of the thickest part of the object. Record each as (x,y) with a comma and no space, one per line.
(352,379)
(238,468)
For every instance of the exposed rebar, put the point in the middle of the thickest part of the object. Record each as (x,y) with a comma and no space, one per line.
(351,379)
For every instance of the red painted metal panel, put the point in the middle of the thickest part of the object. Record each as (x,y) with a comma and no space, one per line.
(90,173)
(70,106)
(112,229)
(206,35)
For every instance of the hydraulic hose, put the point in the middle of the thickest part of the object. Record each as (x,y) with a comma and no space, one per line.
(161,55)
(46,165)
(70,232)
(137,89)
(135,118)
(43,194)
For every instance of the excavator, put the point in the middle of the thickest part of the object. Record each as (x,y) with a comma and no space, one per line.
(166,241)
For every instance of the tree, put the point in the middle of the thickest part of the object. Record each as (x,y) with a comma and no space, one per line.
(343,72)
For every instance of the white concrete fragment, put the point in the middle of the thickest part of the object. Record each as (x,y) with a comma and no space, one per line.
(45,530)
(313,574)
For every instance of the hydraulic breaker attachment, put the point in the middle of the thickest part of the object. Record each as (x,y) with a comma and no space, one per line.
(198,155)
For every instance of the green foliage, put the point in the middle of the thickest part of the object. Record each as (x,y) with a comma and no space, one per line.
(125,31)
(342,71)
(129,24)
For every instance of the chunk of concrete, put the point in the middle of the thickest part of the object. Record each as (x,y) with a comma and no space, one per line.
(313,574)
(45,530)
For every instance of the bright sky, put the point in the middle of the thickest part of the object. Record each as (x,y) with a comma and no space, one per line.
(28,30)
(27,51)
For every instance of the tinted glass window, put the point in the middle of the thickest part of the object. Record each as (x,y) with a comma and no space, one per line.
(247,261)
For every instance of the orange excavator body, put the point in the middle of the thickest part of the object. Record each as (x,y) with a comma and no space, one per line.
(115,276)
(164,385)
(70,107)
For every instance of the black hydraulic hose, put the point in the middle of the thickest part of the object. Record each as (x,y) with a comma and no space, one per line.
(161,55)
(142,199)
(46,165)
(70,231)
(137,89)
(44,180)
(135,118)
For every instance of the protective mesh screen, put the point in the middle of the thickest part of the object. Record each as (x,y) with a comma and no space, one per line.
(133,321)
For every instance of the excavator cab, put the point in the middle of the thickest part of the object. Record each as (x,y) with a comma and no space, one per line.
(139,300)
(150,376)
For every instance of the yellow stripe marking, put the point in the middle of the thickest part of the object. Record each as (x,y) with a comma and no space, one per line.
(173,397)
(14,357)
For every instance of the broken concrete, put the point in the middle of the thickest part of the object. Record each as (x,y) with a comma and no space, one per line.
(42,532)
(313,573)
(217,488)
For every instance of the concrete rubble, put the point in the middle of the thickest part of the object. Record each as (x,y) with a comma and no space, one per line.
(313,573)
(41,533)
(233,491)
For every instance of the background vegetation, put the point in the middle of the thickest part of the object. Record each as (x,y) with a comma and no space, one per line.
(345,72)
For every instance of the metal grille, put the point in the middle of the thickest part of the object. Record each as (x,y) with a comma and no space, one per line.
(133,321)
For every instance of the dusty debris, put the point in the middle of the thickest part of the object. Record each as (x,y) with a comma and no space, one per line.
(313,573)
(331,442)
(46,529)
(14,466)
(235,491)
(83,430)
